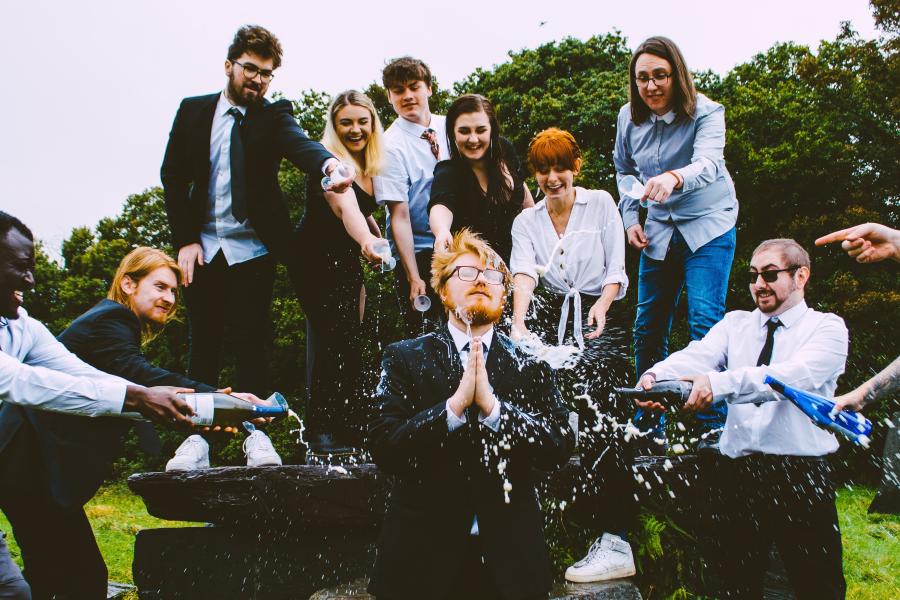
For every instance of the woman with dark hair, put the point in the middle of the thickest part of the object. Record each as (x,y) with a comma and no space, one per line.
(480,186)
(335,230)
(671,138)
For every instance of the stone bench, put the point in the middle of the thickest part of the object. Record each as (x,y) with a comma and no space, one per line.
(610,590)
(289,532)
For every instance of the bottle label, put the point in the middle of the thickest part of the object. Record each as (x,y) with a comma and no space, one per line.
(203,407)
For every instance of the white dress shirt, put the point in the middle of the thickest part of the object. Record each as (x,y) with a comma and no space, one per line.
(37,371)
(237,241)
(809,353)
(408,173)
(589,256)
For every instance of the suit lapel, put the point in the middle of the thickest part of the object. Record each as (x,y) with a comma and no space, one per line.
(207,112)
(500,360)
(446,356)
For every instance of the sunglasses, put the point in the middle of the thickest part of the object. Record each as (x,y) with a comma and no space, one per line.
(769,276)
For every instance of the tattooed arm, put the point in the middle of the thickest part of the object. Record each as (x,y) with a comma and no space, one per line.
(882,386)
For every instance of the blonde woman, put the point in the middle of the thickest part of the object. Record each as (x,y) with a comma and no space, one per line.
(335,230)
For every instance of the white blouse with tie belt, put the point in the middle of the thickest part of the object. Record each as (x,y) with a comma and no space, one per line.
(588,256)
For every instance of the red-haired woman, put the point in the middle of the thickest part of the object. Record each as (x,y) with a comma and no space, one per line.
(573,243)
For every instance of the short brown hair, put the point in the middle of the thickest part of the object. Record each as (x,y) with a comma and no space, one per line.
(554,147)
(794,254)
(681,80)
(136,265)
(464,242)
(403,69)
(259,41)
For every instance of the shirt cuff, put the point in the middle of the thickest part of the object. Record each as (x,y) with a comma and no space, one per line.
(719,384)
(491,421)
(454,422)
(112,397)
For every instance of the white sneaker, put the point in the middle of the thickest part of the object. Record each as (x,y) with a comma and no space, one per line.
(609,558)
(192,454)
(259,450)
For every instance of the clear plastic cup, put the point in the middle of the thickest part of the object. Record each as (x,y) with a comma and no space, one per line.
(383,249)
(422,303)
(339,175)
(631,187)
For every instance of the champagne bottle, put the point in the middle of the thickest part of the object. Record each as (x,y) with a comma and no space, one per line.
(822,412)
(671,393)
(215,408)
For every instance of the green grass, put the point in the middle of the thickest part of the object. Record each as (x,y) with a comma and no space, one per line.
(871,542)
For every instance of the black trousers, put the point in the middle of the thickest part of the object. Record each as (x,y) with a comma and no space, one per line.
(231,303)
(414,322)
(61,557)
(762,499)
(604,501)
(334,366)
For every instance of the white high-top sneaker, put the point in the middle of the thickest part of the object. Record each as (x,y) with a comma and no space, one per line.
(192,454)
(609,558)
(259,450)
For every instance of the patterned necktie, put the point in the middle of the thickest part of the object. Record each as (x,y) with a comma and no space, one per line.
(765,357)
(431,136)
(238,175)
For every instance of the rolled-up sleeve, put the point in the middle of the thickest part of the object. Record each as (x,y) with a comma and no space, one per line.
(709,148)
(613,247)
(523,258)
(393,184)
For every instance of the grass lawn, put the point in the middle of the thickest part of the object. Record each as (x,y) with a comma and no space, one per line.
(871,542)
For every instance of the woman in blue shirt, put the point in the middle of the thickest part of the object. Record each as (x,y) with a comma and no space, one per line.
(672,139)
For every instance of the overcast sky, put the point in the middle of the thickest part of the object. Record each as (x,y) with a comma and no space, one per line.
(90,88)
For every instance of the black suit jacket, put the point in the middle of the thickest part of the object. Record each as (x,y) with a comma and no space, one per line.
(269,133)
(443,479)
(69,456)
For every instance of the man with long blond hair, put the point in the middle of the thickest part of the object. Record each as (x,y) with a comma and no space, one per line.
(69,457)
(461,419)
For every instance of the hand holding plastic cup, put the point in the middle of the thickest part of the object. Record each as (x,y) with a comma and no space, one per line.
(383,249)
(630,186)
(422,303)
(338,175)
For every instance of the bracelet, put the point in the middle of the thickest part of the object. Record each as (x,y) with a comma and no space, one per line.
(679,181)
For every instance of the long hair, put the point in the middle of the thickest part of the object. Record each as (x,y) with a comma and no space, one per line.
(499,189)
(374,154)
(684,93)
(136,265)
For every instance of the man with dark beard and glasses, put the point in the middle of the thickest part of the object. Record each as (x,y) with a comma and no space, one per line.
(228,219)
(462,419)
(772,483)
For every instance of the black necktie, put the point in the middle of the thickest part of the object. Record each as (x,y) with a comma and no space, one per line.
(765,357)
(238,181)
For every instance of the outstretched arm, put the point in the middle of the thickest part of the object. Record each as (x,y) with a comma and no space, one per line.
(884,385)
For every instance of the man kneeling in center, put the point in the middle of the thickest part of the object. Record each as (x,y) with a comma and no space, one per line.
(462,420)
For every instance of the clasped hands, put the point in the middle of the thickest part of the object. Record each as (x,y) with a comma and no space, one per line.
(474,387)
(700,399)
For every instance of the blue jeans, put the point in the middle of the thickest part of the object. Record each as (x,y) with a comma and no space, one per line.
(704,274)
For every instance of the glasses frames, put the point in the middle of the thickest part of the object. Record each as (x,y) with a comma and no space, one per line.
(769,276)
(251,71)
(659,79)
(491,276)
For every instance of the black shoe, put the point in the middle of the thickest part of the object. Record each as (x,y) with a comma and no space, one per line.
(709,442)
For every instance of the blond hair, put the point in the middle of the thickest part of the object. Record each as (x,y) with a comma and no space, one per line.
(464,242)
(374,153)
(136,265)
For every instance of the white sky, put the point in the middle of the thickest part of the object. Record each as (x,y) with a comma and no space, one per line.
(90,88)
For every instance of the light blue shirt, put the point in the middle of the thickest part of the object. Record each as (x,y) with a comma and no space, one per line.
(408,173)
(706,206)
(221,231)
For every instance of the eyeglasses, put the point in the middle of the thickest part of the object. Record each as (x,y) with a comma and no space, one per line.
(492,276)
(659,79)
(769,276)
(251,71)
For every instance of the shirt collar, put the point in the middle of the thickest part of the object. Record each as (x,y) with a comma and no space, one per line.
(667,118)
(414,129)
(460,339)
(788,317)
(581,197)
(224,105)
